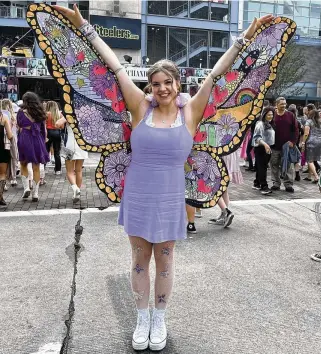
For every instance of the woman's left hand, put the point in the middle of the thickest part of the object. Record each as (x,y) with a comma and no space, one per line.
(256,24)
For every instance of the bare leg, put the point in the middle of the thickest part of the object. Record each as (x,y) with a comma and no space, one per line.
(78,171)
(3,170)
(190,213)
(36,172)
(70,169)
(24,169)
(140,279)
(312,171)
(164,258)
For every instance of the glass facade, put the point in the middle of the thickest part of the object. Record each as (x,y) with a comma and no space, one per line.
(307,14)
(186,47)
(215,10)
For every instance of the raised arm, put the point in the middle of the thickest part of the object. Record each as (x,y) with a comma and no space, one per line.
(132,94)
(199,101)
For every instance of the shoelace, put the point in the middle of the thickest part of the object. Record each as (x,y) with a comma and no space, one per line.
(142,326)
(158,326)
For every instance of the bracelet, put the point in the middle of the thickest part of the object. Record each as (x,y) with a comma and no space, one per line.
(118,70)
(240,41)
(88,31)
(212,76)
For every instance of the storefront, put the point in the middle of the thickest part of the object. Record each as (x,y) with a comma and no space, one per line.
(18,75)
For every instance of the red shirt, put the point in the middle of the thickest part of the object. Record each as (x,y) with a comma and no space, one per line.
(286,129)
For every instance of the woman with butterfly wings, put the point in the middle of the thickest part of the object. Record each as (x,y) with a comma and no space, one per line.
(148,173)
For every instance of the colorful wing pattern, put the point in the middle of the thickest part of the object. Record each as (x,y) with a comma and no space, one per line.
(93,103)
(95,108)
(236,100)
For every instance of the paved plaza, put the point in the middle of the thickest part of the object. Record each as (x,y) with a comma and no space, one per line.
(57,194)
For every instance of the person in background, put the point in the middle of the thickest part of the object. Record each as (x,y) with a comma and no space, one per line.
(263,139)
(5,142)
(31,141)
(311,143)
(233,167)
(53,134)
(14,162)
(311,107)
(286,132)
(292,108)
(75,164)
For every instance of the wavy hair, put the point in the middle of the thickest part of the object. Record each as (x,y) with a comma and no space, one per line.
(53,108)
(6,104)
(31,103)
(168,67)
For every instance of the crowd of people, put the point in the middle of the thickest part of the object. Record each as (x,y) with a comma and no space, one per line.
(29,133)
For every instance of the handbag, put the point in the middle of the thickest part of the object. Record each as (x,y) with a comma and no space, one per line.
(65,152)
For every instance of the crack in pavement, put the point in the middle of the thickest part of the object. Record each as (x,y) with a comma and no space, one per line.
(71,309)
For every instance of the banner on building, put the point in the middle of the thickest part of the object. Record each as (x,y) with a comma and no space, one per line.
(118,32)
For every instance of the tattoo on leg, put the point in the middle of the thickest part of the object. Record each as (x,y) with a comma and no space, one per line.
(165,273)
(138,295)
(137,249)
(165,251)
(161,299)
(138,268)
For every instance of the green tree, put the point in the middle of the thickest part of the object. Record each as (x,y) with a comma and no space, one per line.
(291,70)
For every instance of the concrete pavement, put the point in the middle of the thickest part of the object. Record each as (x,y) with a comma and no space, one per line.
(248,289)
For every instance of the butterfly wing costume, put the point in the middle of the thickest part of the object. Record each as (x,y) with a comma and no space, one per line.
(95,109)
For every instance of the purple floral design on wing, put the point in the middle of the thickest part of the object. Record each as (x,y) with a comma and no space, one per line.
(100,78)
(226,129)
(271,36)
(205,165)
(115,167)
(94,127)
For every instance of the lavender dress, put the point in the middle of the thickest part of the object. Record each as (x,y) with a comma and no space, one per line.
(31,140)
(153,202)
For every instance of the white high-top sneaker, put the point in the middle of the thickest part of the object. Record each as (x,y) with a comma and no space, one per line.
(26,189)
(35,191)
(141,335)
(158,332)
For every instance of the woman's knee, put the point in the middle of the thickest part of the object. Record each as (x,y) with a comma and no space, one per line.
(164,252)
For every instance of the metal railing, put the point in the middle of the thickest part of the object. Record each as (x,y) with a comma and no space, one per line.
(179,55)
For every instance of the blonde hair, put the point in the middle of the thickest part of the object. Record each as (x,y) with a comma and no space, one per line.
(6,104)
(168,67)
(53,108)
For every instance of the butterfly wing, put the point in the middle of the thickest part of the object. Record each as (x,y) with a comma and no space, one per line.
(206,179)
(236,100)
(237,96)
(92,100)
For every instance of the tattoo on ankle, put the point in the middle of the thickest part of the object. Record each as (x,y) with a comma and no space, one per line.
(165,273)
(138,268)
(161,298)
(138,295)
(165,251)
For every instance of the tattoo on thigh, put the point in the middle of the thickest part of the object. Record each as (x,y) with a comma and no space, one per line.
(161,299)
(137,249)
(165,273)
(138,295)
(138,268)
(165,251)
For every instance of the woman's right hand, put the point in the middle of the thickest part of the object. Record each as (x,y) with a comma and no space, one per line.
(267,149)
(60,123)
(73,16)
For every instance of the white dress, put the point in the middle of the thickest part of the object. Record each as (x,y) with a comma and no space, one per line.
(72,145)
